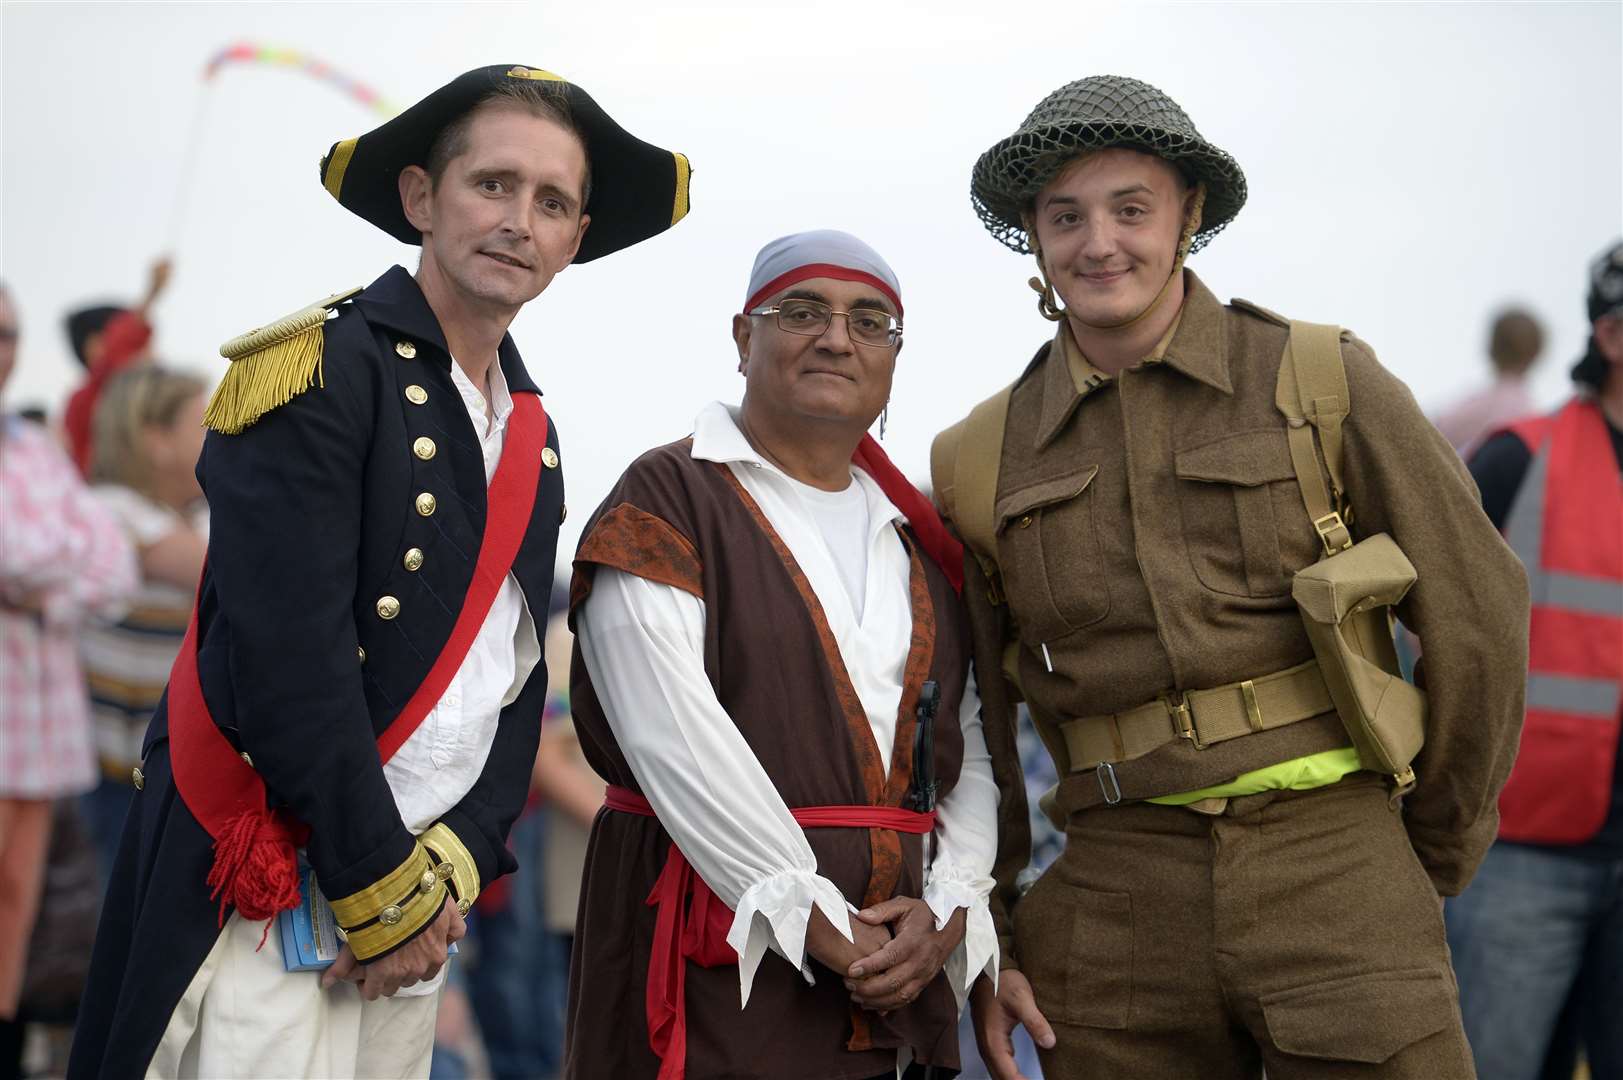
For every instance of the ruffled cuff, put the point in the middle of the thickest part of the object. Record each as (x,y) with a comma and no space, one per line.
(947,889)
(775,912)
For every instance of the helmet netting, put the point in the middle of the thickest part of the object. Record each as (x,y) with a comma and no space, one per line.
(1093,114)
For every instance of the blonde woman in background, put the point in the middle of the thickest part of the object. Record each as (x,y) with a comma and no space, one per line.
(145,438)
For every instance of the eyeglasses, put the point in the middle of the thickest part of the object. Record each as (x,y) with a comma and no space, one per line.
(811,318)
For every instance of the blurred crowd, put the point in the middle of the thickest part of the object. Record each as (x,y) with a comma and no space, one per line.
(102,543)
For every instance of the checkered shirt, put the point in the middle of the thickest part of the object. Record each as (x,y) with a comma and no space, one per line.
(63,559)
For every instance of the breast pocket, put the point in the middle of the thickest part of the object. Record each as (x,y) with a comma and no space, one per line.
(1243,520)
(1048,550)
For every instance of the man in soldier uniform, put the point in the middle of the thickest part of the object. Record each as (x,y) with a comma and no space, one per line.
(386,494)
(1239,890)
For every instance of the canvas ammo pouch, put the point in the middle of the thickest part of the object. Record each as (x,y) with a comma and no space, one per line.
(1346,598)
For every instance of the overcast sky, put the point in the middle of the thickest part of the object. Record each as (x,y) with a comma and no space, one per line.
(1412,167)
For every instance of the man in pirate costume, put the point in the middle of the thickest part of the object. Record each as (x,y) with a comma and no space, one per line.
(772,674)
(361,687)
(1187,539)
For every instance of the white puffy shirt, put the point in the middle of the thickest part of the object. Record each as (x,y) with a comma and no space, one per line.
(643,644)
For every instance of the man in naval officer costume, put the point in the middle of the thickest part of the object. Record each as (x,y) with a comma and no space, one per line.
(772,675)
(362,683)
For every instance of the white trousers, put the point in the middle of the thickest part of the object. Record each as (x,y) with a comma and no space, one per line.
(245,1016)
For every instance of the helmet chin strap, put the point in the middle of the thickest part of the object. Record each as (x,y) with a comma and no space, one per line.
(1049,305)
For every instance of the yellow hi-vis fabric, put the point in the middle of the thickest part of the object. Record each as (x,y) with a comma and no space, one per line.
(1298,774)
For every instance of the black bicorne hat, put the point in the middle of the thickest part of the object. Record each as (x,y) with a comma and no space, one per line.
(638,190)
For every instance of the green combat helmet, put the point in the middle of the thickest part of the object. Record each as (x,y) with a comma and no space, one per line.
(1091,114)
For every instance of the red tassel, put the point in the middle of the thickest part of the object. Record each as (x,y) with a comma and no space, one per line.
(256,868)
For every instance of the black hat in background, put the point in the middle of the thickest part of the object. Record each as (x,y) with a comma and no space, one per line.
(1605,298)
(638,190)
(86,323)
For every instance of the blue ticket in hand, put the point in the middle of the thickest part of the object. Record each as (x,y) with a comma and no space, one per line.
(310,940)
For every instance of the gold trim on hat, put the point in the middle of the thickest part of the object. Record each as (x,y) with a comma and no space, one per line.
(683,171)
(522,72)
(337,165)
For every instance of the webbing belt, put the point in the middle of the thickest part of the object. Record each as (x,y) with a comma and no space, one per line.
(1203,717)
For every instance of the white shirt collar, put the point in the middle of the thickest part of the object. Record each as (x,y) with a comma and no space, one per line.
(717,437)
(500,398)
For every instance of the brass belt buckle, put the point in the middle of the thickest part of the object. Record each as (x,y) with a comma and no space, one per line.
(1333,532)
(1183,721)
(1106,775)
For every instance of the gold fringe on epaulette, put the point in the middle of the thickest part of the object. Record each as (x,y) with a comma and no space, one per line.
(266,378)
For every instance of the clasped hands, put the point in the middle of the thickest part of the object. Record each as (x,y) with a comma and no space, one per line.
(896,953)
(418,960)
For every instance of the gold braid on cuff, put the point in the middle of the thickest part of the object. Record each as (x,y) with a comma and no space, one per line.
(385,914)
(453,862)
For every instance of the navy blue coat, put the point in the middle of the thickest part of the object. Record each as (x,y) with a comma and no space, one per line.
(312,510)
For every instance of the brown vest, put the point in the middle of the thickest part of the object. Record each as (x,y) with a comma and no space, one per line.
(772,659)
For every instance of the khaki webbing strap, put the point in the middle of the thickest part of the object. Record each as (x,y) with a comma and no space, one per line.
(1204,717)
(1312,393)
(970,490)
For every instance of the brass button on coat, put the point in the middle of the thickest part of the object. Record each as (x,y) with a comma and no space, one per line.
(444,870)
(390,915)
(426,504)
(388,607)
(427,882)
(413,559)
(563,513)
(416,395)
(549,458)
(424,448)
(245,757)
(462,907)
(1025,521)
(138,778)
(405,349)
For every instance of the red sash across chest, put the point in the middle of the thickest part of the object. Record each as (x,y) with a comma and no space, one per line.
(255,862)
(691,923)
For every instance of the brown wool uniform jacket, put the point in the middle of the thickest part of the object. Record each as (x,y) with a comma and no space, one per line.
(1148,529)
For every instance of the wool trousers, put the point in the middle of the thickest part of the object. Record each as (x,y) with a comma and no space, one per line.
(1293,932)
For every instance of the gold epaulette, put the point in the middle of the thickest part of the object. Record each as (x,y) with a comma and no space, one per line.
(270,366)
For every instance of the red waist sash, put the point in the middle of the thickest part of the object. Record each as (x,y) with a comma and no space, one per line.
(691,923)
(255,862)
